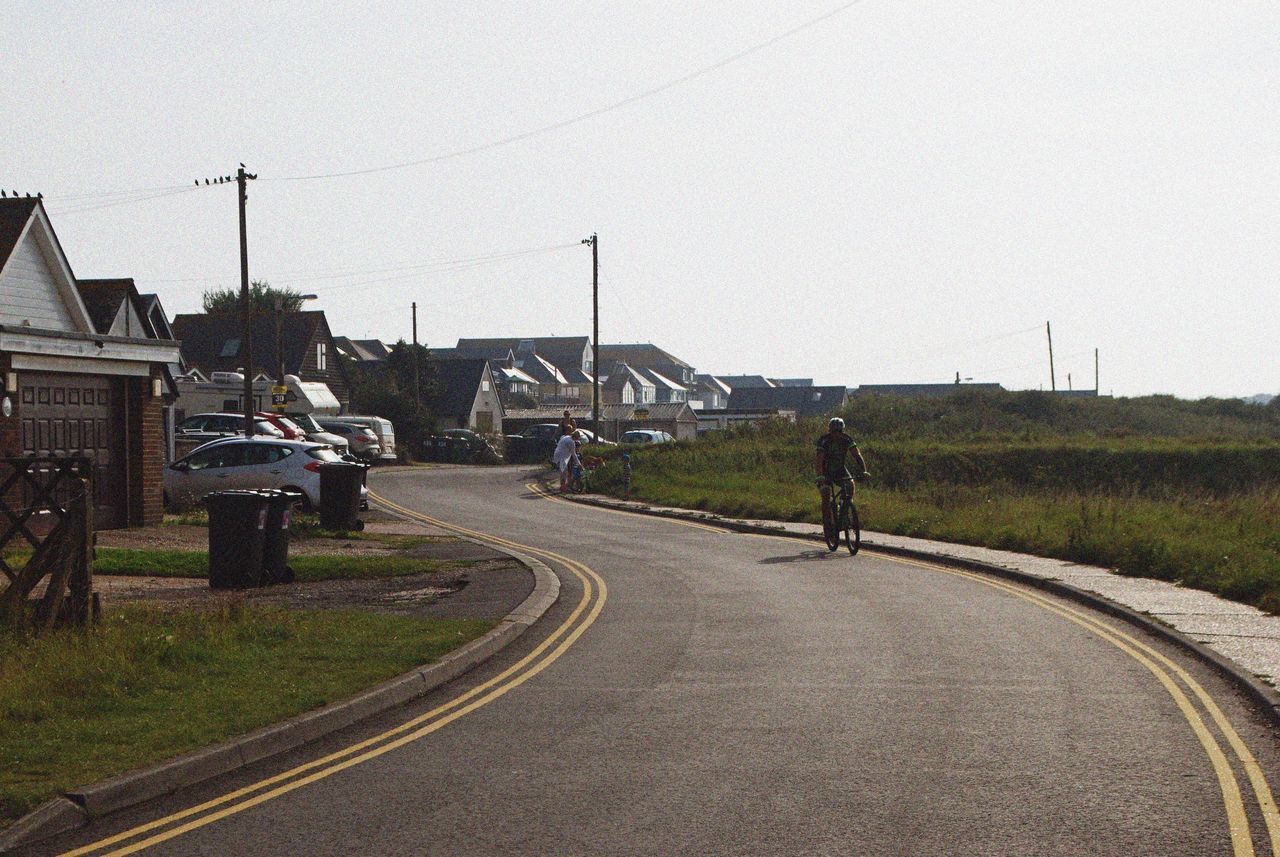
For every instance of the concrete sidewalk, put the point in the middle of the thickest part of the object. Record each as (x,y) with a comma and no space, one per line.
(1243,635)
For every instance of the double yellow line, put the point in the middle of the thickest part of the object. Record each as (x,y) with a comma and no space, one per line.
(1164,671)
(594,593)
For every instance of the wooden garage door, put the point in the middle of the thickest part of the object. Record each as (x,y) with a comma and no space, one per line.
(79,415)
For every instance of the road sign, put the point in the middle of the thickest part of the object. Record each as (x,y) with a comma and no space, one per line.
(642,413)
(279,398)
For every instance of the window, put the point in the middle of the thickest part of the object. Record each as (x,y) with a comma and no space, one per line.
(320,355)
(230,348)
(265,453)
(484,385)
(223,455)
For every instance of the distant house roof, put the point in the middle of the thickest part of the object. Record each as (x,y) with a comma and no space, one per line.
(640,355)
(658,379)
(620,373)
(362,350)
(213,342)
(792,382)
(103,299)
(153,313)
(918,389)
(713,382)
(509,373)
(457,383)
(736,381)
(805,401)
(553,348)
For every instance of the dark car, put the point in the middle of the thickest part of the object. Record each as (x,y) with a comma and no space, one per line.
(462,446)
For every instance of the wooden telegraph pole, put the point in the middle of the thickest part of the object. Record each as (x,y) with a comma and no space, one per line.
(246,343)
(595,333)
(417,392)
(1053,383)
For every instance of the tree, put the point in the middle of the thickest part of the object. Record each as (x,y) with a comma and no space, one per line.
(262,299)
(385,389)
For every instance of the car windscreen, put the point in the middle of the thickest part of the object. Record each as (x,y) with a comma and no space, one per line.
(305,422)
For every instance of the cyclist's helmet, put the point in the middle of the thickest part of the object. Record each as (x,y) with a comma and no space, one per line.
(836,424)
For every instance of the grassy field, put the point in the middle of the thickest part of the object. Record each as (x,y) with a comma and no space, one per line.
(149,684)
(1181,491)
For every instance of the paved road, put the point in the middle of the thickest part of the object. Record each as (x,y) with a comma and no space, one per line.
(699,692)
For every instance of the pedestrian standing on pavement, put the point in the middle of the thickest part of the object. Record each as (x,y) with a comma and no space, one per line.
(566,457)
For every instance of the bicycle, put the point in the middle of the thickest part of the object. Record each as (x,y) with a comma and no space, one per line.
(847,523)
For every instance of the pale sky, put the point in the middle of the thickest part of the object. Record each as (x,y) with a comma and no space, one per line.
(897,192)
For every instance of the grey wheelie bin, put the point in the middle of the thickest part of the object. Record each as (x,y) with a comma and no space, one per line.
(237,525)
(340,483)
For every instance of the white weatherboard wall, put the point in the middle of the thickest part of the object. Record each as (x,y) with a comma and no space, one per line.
(29,291)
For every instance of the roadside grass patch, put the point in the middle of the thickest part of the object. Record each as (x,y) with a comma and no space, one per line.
(307,567)
(148,684)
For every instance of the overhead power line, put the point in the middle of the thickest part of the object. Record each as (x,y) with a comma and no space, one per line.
(583,117)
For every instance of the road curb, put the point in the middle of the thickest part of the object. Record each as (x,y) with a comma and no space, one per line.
(77,808)
(1262,694)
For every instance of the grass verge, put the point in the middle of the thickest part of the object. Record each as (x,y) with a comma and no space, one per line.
(148,684)
(307,567)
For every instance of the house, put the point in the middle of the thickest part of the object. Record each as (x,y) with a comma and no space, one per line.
(213,343)
(562,365)
(709,393)
(83,374)
(648,356)
(467,396)
(804,401)
(626,386)
(665,390)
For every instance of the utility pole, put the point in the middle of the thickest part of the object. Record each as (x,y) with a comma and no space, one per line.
(1096,391)
(595,333)
(246,344)
(1053,383)
(417,393)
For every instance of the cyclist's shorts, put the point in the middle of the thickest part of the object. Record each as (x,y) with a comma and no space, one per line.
(837,478)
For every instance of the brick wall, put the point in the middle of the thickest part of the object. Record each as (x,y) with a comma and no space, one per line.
(146,451)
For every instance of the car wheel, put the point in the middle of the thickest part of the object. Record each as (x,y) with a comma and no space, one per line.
(303,504)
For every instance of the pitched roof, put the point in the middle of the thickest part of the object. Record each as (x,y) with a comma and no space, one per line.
(713,382)
(659,380)
(213,342)
(805,401)
(563,351)
(457,382)
(103,299)
(621,373)
(14,214)
(641,355)
(364,350)
(736,381)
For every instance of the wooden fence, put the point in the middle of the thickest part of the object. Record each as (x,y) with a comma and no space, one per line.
(46,519)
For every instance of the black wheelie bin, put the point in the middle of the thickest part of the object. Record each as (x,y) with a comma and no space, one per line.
(237,525)
(340,483)
(275,543)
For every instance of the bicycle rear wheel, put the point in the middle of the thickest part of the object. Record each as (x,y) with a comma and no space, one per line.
(852,527)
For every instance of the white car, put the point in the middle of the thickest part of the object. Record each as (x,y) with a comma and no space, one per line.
(645,436)
(241,462)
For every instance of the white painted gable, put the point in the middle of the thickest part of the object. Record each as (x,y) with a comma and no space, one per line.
(37,288)
(127,322)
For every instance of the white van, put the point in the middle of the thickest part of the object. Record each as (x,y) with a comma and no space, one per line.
(382,428)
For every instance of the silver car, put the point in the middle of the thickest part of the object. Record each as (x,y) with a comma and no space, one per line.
(315,432)
(241,462)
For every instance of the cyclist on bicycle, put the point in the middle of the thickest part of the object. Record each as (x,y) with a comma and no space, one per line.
(829,462)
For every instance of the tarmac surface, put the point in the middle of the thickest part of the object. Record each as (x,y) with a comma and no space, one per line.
(701,691)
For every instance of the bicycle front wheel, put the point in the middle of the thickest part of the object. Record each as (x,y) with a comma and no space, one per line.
(852,528)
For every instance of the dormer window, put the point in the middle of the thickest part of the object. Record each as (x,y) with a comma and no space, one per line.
(320,356)
(230,348)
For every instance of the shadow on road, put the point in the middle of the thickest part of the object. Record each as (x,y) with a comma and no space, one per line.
(798,557)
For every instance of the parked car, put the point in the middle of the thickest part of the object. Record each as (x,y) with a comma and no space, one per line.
(260,462)
(382,429)
(315,432)
(645,436)
(462,446)
(362,442)
(292,431)
(211,426)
